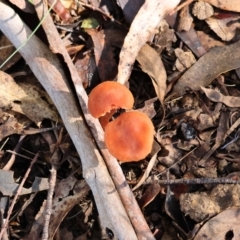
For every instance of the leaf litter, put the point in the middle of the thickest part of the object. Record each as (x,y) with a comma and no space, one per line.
(189,70)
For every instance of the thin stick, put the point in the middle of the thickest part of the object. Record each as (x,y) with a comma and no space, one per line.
(49,71)
(199,181)
(128,200)
(18,154)
(13,156)
(52,183)
(17,194)
(48,213)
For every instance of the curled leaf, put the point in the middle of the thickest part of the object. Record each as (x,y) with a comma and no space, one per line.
(143,26)
(216,96)
(150,194)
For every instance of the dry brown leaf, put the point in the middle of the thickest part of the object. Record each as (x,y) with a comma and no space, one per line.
(229,5)
(151,64)
(149,61)
(25,99)
(74,49)
(218,60)
(6,49)
(173,154)
(149,195)
(86,67)
(206,121)
(12,123)
(148,107)
(225,28)
(225,222)
(106,64)
(61,208)
(184,59)
(164,38)
(189,38)
(226,196)
(9,188)
(199,206)
(143,26)
(155,150)
(207,41)
(185,19)
(216,96)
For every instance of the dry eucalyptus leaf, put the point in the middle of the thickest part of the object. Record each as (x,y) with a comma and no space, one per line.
(224,224)
(202,10)
(151,64)
(143,26)
(149,195)
(184,59)
(207,41)
(216,96)
(218,60)
(9,188)
(225,28)
(24,98)
(105,61)
(229,5)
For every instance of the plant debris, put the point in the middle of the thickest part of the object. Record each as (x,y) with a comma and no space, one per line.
(181,64)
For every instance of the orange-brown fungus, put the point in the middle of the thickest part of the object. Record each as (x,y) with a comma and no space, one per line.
(130,136)
(107,96)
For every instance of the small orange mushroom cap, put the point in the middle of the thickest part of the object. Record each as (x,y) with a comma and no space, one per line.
(107,96)
(130,136)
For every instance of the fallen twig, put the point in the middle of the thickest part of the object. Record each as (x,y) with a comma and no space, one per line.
(16,195)
(199,181)
(48,70)
(134,212)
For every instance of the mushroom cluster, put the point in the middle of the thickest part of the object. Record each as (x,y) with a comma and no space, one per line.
(129,137)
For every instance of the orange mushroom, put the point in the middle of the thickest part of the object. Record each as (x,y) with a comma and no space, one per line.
(107,96)
(130,136)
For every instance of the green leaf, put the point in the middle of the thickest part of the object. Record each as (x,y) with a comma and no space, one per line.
(90,23)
